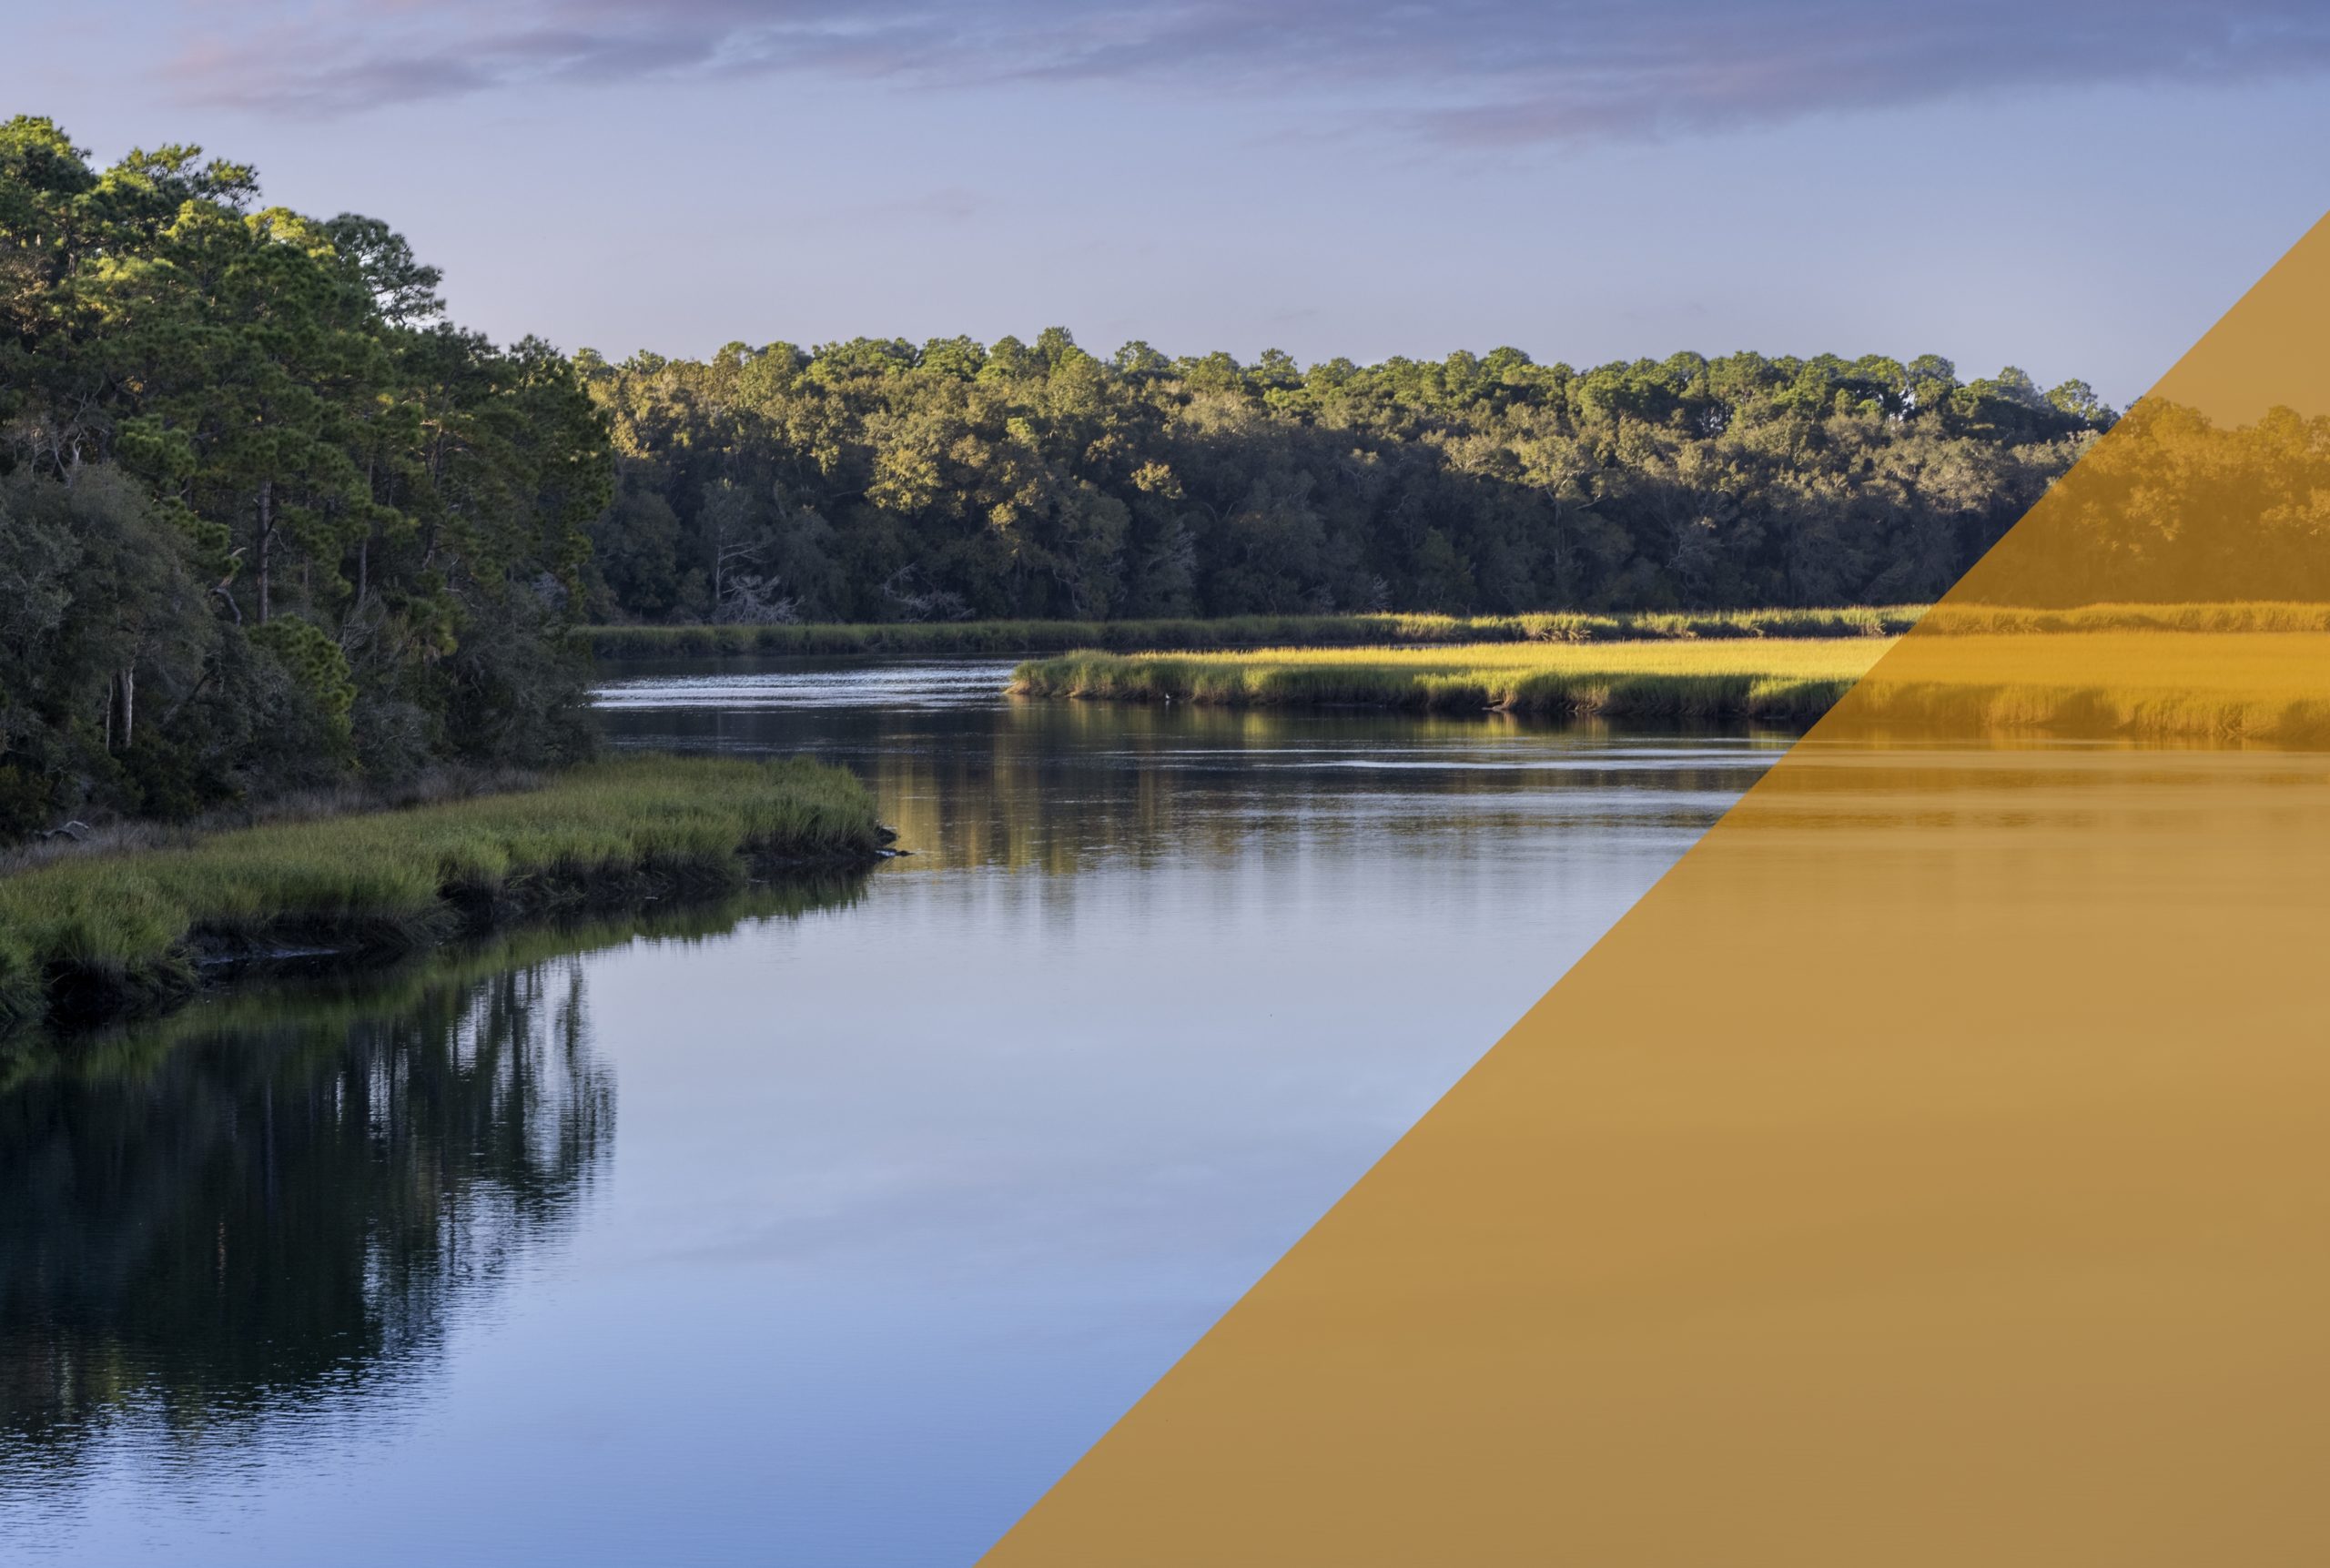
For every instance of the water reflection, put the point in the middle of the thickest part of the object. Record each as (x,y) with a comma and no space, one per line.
(284,1211)
(276,1205)
(908,1201)
(1062,787)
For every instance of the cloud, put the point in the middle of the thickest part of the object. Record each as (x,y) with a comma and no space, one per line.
(1462,72)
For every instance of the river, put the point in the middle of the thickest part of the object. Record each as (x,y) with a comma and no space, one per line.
(826,1227)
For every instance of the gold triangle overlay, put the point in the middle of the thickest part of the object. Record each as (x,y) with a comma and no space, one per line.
(1934,1168)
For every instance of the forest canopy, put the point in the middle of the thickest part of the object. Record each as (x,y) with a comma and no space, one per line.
(879,480)
(267,521)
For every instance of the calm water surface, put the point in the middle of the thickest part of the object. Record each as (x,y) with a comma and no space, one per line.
(826,1228)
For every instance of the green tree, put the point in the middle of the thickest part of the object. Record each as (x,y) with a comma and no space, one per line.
(272,520)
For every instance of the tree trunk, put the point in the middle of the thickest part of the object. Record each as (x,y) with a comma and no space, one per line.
(364,545)
(266,539)
(128,706)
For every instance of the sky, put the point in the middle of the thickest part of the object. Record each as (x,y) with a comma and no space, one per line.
(2075,186)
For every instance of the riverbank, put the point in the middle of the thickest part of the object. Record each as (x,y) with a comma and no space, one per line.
(329,1000)
(1255,633)
(1247,631)
(89,936)
(1780,682)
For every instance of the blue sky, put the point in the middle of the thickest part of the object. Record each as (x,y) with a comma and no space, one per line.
(2074,186)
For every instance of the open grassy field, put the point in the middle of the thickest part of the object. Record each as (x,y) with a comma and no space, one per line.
(100,933)
(1786,680)
(1246,632)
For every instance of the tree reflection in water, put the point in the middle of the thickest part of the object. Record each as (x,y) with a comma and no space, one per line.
(279,1202)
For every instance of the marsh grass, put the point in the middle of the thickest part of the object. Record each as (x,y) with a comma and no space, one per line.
(432,786)
(1260,632)
(327,1002)
(1247,631)
(2149,676)
(107,932)
(2227,618)
(2182,672)
(1773,680)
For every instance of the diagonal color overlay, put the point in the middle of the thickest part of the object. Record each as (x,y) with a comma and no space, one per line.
(1933,1169)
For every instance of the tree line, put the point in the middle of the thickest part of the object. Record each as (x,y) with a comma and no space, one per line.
(268,520)
(879,480)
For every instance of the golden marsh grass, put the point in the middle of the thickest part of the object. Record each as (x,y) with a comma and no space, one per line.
(2250,671)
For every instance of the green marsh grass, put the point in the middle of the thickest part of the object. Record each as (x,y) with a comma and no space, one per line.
(1775,681)
(326,1005)
(105,932)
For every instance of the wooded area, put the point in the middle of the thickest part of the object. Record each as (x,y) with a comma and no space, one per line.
(874,481)
(269,522)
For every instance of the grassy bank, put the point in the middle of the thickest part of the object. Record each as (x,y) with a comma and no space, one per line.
(1776,680)
(93,935)
(1246,632)
(324,1005)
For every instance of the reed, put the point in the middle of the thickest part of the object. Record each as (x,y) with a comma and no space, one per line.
(99,934)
